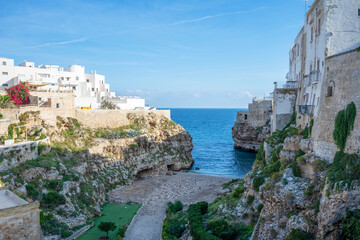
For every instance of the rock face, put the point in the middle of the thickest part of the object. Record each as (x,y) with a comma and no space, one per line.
(81,165)
(249,138)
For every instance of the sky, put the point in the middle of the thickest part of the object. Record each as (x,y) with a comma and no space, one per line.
(188,53)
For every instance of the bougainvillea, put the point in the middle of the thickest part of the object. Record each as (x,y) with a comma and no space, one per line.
(19,94)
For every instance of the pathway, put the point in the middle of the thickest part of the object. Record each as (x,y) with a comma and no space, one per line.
(154,193)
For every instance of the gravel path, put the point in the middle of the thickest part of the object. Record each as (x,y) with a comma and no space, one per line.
(154,193)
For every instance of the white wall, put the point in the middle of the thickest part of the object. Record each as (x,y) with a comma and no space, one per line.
(88,88)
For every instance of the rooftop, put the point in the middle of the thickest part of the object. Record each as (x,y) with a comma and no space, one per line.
(9,199)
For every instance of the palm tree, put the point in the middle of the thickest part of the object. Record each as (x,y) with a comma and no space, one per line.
(5,102)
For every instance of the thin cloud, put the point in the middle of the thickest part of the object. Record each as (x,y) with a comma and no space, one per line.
(216,16)
(58,43)
(186,21)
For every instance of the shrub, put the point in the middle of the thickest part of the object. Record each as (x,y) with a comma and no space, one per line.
(203,207)
(175,207)
(351,225)
(297,234)
(19,94)
(296,169)
(122,230)
(52,200)
(217,226)
(259,207)
(257,182)
(272,168)
(108,105)
(196,223)
(175,228)
(55,185)
(319,165)
(344,124)
(238,191)
(31,191)
(345,168)
(250,199)
(51,226)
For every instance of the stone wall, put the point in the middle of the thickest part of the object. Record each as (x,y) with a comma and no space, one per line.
(112,118)
(12,156)
(283,107)
(343,74)
(21,222)
(259,112)
(90,118)
(252,127)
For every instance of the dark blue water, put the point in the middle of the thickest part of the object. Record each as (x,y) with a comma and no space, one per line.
(214,151)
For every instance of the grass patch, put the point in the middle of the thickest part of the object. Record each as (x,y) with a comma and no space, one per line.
(120,214)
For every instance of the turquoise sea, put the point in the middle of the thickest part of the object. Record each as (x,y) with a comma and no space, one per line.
(214,152)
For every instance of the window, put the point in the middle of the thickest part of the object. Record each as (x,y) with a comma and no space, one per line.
(92,89)
(5,85)
(87,80)
(329,91)
(245,116)
(77,78)
(74,88)
(39,98)
(312,34)
(5,73)
(4,63)
(298,50)
(359,12)
(319,27)
(58,105)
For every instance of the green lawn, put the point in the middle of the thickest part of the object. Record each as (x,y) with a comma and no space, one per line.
(120,214)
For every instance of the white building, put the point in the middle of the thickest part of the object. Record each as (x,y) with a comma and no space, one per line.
(89,88)
(128,103)
(331,27)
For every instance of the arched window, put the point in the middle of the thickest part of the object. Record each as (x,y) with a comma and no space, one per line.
(330,89)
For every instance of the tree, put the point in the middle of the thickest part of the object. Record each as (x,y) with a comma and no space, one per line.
(107,227)
(5,102)
(108,105)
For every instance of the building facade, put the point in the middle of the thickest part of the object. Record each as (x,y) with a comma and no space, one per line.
(18,219)
(89,88)
(330,27)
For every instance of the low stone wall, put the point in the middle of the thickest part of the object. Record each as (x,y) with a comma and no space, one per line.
(92,118)
(14,155)
(112,118)
(21,222)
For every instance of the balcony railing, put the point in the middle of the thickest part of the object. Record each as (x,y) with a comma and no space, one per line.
(286,85)
(306,109)
(312,78)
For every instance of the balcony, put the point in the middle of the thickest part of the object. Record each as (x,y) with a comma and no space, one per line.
(312,78)
(306,109)
(286,85)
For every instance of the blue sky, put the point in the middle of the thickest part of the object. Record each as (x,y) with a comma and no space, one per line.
(188,53)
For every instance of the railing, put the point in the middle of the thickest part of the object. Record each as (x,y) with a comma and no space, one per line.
(306,109)
(286,85)
(313,77)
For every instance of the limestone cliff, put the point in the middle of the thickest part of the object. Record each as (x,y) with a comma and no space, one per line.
(293,194)
(247,137)
(72,175)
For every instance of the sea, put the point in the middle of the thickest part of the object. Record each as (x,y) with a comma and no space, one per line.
(214,152)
